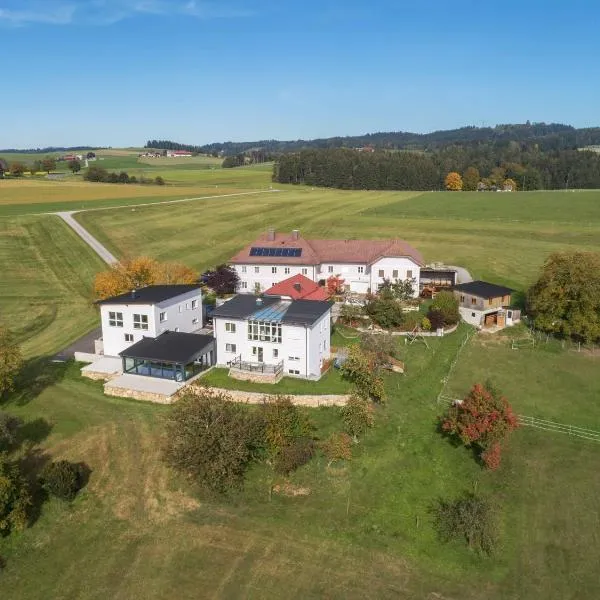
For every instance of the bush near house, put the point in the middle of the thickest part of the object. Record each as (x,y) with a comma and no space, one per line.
(443,311)
(363,369)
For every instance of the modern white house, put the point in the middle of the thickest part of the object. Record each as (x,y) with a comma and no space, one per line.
(148,312)
(265,338)
(362,264)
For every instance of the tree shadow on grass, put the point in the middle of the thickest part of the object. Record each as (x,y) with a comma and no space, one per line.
(31,463)
(36,375)
(455,442)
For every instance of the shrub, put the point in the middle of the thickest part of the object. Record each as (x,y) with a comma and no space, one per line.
(436,319)
(15,499)
(484,419)
(425,324)
(411,320)
(212,439)
(384,311)
(9,425)
(447,304)
(159,180)
(284,423)
(350,314)
(357,415)
(63,479)
(291,457)
(363,369)
(97,174)
(338,446)
(470,518)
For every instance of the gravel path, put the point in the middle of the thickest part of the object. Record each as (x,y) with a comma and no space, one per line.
(87,237)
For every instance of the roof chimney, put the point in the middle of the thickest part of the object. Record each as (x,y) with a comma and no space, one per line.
(297,287)
(271,234)
(133,293)
(295,234)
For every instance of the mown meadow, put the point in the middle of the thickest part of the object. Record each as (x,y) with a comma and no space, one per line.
(365,528)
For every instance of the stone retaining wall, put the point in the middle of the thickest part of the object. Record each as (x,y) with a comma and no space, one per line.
(139,395)
(301,400)
(97,375)
(255,377)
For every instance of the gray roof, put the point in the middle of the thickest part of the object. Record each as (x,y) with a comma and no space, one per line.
(483,289)
(295,312)
(171,346)
(152,294)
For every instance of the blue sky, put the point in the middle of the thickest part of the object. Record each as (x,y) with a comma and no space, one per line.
(118,72)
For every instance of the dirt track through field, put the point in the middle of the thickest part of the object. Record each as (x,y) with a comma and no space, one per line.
(100,249)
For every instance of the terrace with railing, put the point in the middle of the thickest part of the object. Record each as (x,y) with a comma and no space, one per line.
(255,371)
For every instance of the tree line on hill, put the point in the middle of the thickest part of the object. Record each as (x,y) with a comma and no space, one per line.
(253,157)
(49,149)
(529,168)
(100,175)
(547,136)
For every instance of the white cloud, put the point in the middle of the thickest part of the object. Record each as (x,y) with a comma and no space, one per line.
(106,12)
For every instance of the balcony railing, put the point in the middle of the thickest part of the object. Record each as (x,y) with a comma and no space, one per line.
(256,367)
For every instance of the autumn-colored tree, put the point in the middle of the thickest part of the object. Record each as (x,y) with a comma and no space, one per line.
(509,185)
(130,274)
(453,182)
(48,164)
(17,169)
(15,499)
(357,415)
(565,300)
(497,176)
(75,166)
(335,285)
(11,361)
(470,179)
(484,419)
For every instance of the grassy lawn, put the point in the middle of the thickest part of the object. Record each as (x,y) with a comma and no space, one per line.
(330,383)
(477,231)
(364,530)
(45,287)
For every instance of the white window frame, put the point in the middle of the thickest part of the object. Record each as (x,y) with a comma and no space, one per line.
(286,270)
(273,269)
(381,273)
(330,269)
(194,304)
(360,270)
(230,327)
(244,269)
(304,271)
(129,337)
(244,285)
(395,274)
(140,323)
(231,348)
(275,352)
(115,319)
(162,317)
(257,269)
(195,321)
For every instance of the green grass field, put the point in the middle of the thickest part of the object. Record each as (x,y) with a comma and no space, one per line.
(45,287)
(365,529)
(482,236)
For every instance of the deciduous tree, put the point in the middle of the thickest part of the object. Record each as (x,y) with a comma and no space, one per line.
(48,164)
(471,179)
(284,423)
(335,285)
(509,185)
(63,479)
(357,415)
(361,368)
(338,446)
(484,419)
(9,426)
(212,439)
(565,299)
(17,169)
(75,166)
(15,499)
(223,279)
(130,274)
(11,361)
(453,182)
(470,518)
(445,304)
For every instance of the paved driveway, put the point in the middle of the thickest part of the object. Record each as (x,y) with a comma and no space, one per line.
(83,344)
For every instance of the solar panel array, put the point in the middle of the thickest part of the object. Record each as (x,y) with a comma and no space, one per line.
(295,252)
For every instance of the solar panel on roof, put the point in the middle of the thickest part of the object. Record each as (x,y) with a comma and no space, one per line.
(294,252)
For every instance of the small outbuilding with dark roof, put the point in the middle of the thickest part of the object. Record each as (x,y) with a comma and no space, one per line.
(486,305)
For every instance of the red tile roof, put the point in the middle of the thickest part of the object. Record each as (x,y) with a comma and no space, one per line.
(298,287)
(327,251)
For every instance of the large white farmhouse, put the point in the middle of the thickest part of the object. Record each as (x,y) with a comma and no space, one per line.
(148,312)
(363,264)
(272,336)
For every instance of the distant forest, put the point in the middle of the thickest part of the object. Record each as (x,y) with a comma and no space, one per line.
(48,149)
(552,136)
(483,165)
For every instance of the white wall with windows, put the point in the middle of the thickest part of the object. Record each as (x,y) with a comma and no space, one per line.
(126,324)
(265,276)
(302,349)
(358,278)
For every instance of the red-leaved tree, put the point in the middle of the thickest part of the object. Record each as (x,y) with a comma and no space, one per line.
(483,419)
(335,285)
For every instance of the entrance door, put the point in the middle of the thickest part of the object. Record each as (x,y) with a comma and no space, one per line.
(259,355)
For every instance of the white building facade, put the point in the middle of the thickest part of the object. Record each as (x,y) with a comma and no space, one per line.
(362,264)
(148,312)
(294,334)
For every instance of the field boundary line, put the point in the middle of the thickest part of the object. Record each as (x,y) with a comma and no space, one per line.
(80,210)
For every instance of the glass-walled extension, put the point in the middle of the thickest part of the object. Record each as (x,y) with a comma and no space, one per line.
(172,355)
